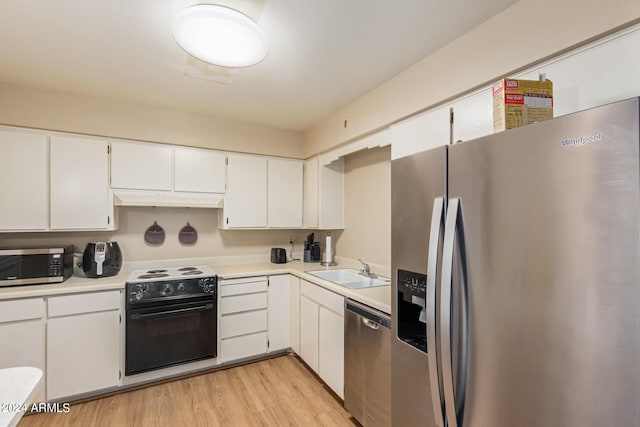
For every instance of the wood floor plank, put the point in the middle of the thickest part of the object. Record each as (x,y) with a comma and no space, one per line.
(272,392)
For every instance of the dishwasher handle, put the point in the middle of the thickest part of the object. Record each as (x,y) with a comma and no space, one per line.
(371,317)
(370,324)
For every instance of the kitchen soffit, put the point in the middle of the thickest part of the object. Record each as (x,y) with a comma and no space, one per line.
(323,54)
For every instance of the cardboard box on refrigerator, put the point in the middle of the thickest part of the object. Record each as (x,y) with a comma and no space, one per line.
(521,102)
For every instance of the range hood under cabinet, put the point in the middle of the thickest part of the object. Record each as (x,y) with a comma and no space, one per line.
(167,199)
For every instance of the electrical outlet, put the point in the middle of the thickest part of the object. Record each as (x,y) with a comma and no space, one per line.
(292,240)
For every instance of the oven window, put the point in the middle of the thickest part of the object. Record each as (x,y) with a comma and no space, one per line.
(170,334)
(180,324)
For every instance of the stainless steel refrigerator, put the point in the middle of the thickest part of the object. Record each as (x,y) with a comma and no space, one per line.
(516,288)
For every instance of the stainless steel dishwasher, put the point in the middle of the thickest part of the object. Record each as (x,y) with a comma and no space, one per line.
(367,388)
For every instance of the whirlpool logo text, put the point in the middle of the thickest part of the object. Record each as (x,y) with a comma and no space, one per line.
(581,140)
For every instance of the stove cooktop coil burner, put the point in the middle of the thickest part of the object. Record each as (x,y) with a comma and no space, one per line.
(156,271)
(153,275)
(191,272)
(188,268)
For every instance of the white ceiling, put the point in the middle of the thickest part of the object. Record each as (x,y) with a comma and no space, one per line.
(323,53)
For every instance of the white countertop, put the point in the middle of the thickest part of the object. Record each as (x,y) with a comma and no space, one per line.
(377,297)
(18,389)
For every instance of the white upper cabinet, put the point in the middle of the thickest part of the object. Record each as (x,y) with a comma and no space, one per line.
(141,166)
(473,116)
(324,194)
(423,132)
(199,170)
(284,193)
(245,202)
(158,167)
(24,176)
(79,184)
(262,192)
(595,75)
(310,214)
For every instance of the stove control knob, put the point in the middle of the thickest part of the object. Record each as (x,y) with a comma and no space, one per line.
(166,290)
(145,287)
(181,287)
(138,295)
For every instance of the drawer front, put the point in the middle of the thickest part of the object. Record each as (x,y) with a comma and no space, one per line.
(83,303)
(233,325)
(331,300)
(243,288)
(239,303)
(21,309)
(225,282)
(244,346)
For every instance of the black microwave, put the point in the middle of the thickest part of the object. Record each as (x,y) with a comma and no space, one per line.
(34,266)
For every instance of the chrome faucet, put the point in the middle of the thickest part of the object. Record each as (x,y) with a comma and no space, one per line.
(365,270)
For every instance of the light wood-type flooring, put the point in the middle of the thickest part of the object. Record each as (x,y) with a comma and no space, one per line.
(273,392)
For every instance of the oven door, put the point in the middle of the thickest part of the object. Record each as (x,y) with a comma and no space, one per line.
(170,334)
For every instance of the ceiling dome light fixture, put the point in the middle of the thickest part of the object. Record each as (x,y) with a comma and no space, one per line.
(220,35)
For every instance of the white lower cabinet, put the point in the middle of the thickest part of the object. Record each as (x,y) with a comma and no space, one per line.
(243,318)
(22,333)
(322,334)
(83,343)
(331,350)
(255,316)
(295,313)
(309,332)
(279,312)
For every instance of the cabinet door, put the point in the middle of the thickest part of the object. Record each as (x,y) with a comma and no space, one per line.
(423,132)
(23,174)
(141,166)
(233,325)
(331,350)
(309,332)
(83,353)
(597,75)
(243,346)
(79,187)
(310,194)
(284,193)
(331,191)
(245,202)
(473,116)
(295,314)
(23,344)
(201,171)
(279,312)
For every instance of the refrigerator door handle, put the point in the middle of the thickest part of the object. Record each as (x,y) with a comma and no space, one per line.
(437,224)
(454,399)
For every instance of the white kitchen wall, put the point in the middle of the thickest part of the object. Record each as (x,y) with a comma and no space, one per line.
(212,242)
(367,193)
(526,33)
(42,109)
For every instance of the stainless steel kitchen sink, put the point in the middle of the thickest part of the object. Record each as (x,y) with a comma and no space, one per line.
(350,278)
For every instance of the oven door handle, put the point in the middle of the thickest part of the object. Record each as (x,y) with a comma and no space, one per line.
(205,307)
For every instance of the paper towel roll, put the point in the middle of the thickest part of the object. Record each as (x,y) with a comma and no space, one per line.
(328,252)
